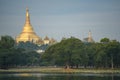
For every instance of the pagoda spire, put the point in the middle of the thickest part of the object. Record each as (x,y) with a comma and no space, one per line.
(27,17)
(90,37)
(89,34)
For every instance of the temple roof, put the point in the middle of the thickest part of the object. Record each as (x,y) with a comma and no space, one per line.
(46,38)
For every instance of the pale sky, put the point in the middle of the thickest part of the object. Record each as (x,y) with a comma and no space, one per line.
(62,18)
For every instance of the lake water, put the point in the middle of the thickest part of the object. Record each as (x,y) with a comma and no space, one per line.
(42,76)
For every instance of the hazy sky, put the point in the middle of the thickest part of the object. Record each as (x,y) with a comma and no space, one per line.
(62,18)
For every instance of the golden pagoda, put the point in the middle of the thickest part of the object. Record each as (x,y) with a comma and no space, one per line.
(27,33)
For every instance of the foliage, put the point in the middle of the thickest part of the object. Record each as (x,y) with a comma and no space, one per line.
(72,52)
(6,42)
(105,40)
(12,57)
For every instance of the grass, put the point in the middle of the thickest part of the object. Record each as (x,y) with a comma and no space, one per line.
(58,70)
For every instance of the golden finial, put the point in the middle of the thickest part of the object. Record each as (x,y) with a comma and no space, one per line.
(27,12)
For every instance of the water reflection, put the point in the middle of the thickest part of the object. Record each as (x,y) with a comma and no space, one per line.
(41,76)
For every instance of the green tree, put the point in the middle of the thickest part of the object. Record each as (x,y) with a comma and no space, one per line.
(113,49)
(67,52)
(100,55)
(10,56)
(105,40)
(6,42)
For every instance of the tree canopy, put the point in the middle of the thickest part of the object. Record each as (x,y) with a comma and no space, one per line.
(72,52)
(12,57)
(69,52)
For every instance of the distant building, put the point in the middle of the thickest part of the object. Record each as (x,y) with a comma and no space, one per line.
(89,39)
(28,34)
(46,40)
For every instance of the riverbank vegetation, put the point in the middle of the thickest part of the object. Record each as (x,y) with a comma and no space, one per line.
(70,53)
(73,53)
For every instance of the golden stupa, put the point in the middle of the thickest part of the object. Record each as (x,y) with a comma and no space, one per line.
(89,39)
(27,33)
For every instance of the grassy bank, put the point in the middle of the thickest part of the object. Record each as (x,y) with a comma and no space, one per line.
(58,70)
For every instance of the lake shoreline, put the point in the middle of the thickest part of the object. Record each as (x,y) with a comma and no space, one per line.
(60,70)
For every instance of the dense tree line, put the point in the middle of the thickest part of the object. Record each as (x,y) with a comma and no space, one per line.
(10,56)
(72,52)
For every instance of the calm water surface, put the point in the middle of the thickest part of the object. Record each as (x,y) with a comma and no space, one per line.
(41,76)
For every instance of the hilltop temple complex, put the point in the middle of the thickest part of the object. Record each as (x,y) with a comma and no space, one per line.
(28,34)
